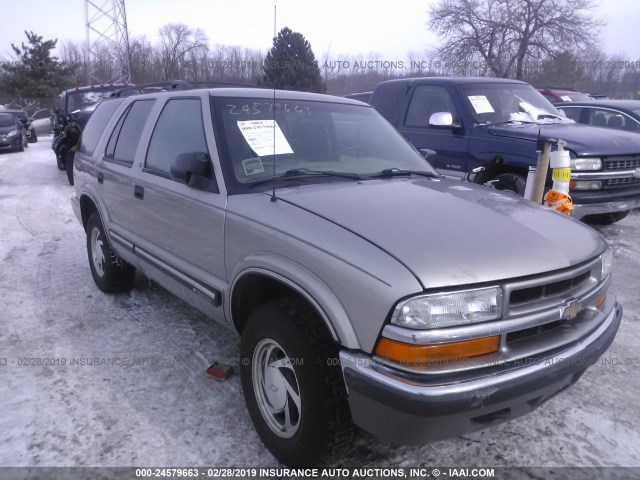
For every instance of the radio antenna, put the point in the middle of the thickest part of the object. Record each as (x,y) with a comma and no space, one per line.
(273,183)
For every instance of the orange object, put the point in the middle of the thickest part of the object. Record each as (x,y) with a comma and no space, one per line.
(425,355)
(559,201)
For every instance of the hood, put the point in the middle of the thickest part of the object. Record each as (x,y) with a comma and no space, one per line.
(584,140)
(448,233)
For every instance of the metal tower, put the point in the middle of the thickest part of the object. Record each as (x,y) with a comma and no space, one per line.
(107,42)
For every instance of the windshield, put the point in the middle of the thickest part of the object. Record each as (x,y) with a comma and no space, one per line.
(312,138)
(491,103)
(7,120)
(574,97)
(86,100)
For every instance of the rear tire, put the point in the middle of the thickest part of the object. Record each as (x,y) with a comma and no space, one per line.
(292,384)
(33,138)
(110,273)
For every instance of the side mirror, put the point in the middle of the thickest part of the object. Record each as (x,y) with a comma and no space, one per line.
(188,166)
(429,155)
(442,120)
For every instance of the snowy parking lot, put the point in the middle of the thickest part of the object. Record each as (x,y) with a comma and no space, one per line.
(88,379)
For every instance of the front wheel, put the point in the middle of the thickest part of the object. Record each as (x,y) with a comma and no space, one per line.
(510,182)
(110,272)
(292,385)
(606,218)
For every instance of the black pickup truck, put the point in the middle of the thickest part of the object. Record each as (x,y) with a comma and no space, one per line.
(495,123)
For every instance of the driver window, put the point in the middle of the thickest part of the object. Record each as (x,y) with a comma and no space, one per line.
(179,129)
(427,100)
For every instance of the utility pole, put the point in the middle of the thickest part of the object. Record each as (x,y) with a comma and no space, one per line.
(107,46)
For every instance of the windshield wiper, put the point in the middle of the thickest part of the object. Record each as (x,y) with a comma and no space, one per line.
(505,122)
(396,172)
(554,116)
(305,172)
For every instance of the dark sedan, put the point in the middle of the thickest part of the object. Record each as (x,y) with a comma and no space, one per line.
(12,133)
(618,114)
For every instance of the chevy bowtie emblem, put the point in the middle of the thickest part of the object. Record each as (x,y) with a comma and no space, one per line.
(571,308)
(636,173)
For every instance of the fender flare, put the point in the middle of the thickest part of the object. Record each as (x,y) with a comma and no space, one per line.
(303,281)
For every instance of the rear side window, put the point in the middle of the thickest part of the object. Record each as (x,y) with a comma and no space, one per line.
(96,124)
(179,129)
(125,138)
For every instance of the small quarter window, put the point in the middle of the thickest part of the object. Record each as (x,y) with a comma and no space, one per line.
(125,138)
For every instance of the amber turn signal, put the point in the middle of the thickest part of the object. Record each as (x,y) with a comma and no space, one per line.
(600,301)
(424,355)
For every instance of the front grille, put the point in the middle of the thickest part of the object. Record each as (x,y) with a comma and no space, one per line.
(538,292)
(621,182)
(542,313)
(622,164)
(530,332)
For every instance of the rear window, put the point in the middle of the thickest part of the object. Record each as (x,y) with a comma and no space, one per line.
(96,125)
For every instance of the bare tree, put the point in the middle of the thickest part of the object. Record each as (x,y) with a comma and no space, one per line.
(178,44)
(508,33)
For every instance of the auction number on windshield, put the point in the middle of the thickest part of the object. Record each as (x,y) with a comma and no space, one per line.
(257,108)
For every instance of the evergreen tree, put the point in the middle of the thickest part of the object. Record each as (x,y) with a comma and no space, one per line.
(291,64)
(35,73)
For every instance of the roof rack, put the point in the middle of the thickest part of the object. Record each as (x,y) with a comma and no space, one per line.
(173,85)
(152,87)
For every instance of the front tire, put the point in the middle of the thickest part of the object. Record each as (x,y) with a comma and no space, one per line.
(293,386)
(606,218)
(510,182)
(110,273)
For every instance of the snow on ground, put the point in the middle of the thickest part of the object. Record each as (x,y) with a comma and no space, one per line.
(157,407)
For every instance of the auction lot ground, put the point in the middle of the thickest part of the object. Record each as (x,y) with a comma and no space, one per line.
(63,404)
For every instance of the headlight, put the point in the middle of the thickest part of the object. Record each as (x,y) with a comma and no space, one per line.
(12,133)
(606,263)
(586,163)
(450,309)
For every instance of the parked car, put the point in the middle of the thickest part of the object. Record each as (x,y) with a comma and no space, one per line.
(76,106)
(494,124)
(365,287)
(42,122)
(24,120)
(12,133)
(554,95)
(618,114)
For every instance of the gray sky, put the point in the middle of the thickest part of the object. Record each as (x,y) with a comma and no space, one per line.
(336,27)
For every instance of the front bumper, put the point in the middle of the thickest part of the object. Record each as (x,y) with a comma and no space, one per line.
(404,411)
(604,201)
(10,142)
